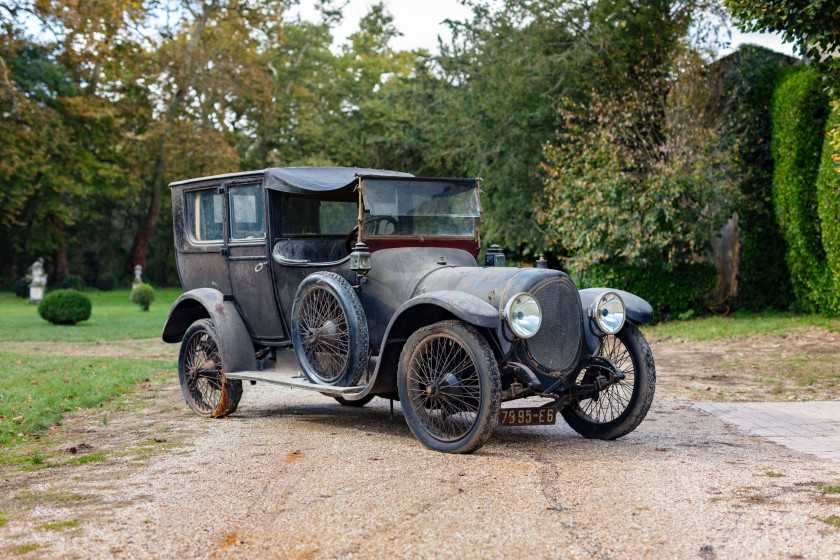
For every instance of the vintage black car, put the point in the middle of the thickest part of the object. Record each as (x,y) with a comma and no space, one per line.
(359,283)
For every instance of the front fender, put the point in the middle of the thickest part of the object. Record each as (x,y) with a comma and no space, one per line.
(638,310)
(419,312)
(235,346)
(464,306)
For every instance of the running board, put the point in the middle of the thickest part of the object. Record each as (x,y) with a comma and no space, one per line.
(292,379)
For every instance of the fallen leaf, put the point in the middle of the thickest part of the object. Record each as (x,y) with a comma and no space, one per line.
(19,363)
(34,381)
(18,418)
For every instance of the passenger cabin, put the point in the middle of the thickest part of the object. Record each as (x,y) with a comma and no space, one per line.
(254,236)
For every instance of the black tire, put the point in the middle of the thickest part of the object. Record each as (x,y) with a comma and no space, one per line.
(354,404)
(449,386)
(621,407)
(329,330)
(205,388)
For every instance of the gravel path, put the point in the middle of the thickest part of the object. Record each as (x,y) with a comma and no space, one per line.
(296,476)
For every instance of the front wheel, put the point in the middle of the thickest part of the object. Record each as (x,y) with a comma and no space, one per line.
(449,387)
(620,408)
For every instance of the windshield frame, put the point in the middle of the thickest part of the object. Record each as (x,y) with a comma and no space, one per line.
(365,207)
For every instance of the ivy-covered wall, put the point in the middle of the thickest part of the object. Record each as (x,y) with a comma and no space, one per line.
(799,114)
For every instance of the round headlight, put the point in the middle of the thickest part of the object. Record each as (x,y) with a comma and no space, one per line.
(523,315)
(609,313)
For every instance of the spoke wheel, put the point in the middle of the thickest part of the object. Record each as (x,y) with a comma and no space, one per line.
(201,375)
(324,333)
(620,408)
(329,330)
(449,387)
(611,403)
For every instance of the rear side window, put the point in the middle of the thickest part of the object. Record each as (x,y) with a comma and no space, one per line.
(308,216)
(247,217)
(205,215)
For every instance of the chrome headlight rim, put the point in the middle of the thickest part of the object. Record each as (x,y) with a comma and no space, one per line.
(597,315)
(512,322)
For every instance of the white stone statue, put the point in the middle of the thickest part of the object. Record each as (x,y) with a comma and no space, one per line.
(37,279)
(138,271)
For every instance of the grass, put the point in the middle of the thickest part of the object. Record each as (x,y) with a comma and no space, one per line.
(830,489)
(113,317)
(36,390)
(739,325)
(833,520)
(59,525)
(25,548)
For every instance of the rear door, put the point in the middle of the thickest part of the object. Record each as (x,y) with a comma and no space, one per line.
(248,260)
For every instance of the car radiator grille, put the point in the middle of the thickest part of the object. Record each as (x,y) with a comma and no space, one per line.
(556,346)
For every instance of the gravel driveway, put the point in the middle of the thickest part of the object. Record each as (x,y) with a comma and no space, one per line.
(294,475)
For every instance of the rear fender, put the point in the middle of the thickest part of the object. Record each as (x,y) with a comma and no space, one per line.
(235,346)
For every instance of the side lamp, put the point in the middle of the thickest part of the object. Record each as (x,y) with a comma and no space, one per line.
(360,259)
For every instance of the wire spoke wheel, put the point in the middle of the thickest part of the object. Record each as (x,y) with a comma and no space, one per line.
(450,388)
(204,372)
(611,403)
(444,388)
(325,335)
(620,407)
(201,374)
(329,330)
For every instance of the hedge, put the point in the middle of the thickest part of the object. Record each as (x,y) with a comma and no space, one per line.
(799,113)
(828,201)
(669,292)
(745,81)
(65,307)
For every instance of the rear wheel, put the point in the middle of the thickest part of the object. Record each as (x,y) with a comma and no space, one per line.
(620,408)
(203,383)
(449,387)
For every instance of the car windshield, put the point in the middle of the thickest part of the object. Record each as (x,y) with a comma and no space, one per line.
(420,208)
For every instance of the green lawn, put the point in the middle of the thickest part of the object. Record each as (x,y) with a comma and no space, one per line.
(35,390)
(113,317)
(740,325)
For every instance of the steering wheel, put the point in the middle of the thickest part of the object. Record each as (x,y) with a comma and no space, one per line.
(373,221)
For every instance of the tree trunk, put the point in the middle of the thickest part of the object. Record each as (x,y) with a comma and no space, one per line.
(60,261)
(140,246)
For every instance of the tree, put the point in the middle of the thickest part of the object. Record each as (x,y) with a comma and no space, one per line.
(812,25)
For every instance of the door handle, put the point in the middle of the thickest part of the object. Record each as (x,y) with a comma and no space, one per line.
(260,266)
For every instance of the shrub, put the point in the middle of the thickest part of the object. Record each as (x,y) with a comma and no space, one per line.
(107,283)
(22,288)
(670,292)
(65,307)
(744,84)
(799,114)
(143,295)
(73,282)
(828,201)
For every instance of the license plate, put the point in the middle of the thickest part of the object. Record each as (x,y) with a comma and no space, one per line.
(537,416)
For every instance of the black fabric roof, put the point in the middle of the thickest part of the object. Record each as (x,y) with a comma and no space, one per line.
(303,180)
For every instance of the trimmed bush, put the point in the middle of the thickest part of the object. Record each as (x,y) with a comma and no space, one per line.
(107,283)
(799,114)
(828,202)
(22,288)
(65,307)
(143,295)
(670,292)
(73,282)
